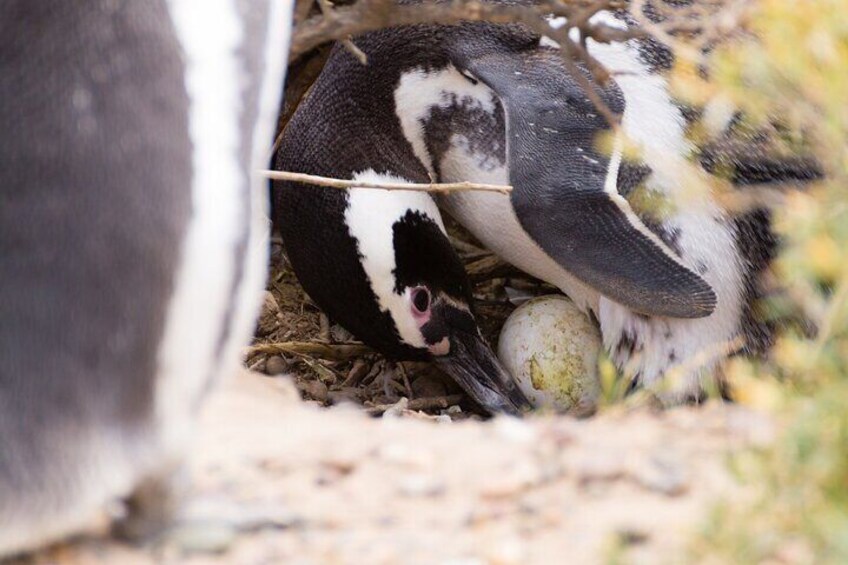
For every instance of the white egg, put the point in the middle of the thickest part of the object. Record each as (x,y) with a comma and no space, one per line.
(551,349)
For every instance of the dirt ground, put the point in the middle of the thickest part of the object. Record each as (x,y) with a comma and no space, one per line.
(277,480)
(336,457)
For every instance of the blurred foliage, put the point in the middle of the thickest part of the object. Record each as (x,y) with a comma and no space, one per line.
(793,66)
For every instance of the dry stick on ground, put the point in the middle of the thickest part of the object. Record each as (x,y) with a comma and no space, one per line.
(422,187)
(332,352)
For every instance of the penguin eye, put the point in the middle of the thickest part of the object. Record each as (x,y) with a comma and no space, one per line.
(421,299)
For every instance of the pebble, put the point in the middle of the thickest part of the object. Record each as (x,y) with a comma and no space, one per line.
(397,409)
(203,537)
(276,365)
(341,335)
(315,389)
(416,485)
(269,316)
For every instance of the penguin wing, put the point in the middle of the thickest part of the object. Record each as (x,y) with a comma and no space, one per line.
(564,190)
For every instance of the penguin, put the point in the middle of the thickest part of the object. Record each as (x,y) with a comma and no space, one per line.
(674,293)
(379,262)
(132,244)
(494,103)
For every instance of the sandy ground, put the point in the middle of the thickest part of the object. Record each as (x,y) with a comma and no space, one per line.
(288,467)
(278,480)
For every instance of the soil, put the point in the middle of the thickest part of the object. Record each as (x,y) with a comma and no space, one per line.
(278,480)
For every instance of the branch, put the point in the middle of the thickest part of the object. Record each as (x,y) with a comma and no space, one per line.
(333,352)
(420,187)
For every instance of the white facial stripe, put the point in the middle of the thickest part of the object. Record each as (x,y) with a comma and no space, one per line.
(211,34)
(418,91)
(370,217)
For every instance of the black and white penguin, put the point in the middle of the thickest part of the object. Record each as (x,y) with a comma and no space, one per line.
(132,242)
(494,103)
(379,262)
(673,292)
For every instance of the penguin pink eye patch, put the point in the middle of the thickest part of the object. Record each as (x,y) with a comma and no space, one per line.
(420,301)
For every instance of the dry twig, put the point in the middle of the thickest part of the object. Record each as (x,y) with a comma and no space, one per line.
(431,403)
(332,352)
(420,187)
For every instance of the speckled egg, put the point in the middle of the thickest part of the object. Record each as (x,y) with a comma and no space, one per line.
(551,348)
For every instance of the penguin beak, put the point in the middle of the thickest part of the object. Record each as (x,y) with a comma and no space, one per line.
(474,367)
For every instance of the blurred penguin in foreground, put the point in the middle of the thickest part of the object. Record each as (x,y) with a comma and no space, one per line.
(130,248)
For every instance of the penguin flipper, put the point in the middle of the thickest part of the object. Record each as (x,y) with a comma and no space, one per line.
(564,189)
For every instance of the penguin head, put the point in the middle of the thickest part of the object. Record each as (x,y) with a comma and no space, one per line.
(412,298)
(437,298)
(433,314)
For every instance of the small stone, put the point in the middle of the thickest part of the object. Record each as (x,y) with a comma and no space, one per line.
(397,409)
(421,485)
(340,335)
(276,365)
(203,537)
(269,316)
(315,390)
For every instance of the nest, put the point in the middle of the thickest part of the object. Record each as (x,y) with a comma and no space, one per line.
(329,366)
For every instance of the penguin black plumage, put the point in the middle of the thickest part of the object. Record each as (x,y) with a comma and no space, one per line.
(131,248)
(495,104)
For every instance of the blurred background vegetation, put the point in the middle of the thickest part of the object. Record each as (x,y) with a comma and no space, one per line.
(792,63)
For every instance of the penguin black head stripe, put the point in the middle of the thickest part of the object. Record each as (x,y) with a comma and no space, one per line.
(130,256)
